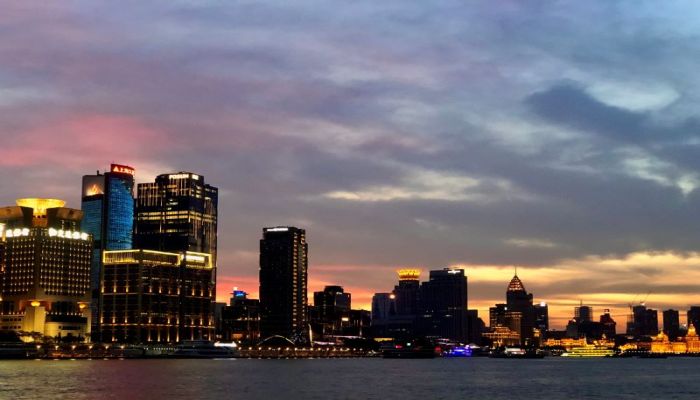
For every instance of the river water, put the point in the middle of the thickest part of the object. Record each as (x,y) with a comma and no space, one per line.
(357,379)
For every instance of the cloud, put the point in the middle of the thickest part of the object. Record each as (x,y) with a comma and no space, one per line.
(397,134)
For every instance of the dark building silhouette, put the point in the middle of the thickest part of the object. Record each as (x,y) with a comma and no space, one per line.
(497,315)
(608,324)
(358,324)
(331,311)
(443,304)
(583,313)
(383,316)
(542,317)
(475,327)
(693,316)
(672,324)
(406,292)
(108,208)
(645,322)
(240,319)
(283,283)
(518,300)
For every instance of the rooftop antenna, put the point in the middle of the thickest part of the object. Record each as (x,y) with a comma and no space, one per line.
(516,270)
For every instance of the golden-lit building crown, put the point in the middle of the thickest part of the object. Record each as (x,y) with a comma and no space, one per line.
(408,274)
(516,285)
(40,205)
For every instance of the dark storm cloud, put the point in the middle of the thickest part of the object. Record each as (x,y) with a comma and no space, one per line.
(397,134)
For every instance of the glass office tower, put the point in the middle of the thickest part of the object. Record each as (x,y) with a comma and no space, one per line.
(108,208)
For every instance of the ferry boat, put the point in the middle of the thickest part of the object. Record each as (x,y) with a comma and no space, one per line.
(202,349)
(590,351)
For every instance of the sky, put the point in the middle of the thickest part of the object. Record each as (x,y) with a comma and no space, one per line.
(558,137)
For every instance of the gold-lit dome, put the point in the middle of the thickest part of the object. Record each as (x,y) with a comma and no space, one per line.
(408,274)
(40,205)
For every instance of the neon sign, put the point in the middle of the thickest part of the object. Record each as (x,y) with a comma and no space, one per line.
(122,169)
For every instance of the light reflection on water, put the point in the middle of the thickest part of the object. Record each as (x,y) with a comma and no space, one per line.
(479,378)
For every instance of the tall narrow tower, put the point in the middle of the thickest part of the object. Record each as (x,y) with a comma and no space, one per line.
(108,208)
(283,283)
(518,300)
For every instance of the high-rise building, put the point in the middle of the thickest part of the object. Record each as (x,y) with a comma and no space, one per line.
(383,305)
(519,300)
(644,322)
(177,213)
(693,316)
(497,315)
(443,303)
(45,269)
(383,308)
(672,324)
(283,283)
(332,305)
(153,296)
(542,317)
(608,324)
(583,313)
(108,208)
(406,291)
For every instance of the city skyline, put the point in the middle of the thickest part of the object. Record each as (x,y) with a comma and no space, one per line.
(511,135)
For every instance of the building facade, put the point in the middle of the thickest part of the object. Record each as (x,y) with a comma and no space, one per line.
(283,283)
(157,297)
(644,321)
(177,213)
(108,208)
(45,270)
(443,305)
(332,311)
(518,300)
(240,320)
(672,325)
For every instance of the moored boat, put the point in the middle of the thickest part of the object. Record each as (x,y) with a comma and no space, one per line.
(202,349)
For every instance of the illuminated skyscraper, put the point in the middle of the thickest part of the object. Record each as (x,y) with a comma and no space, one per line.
(177,212)
(283,283)
(108,207)
(45,269)
(518,300)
